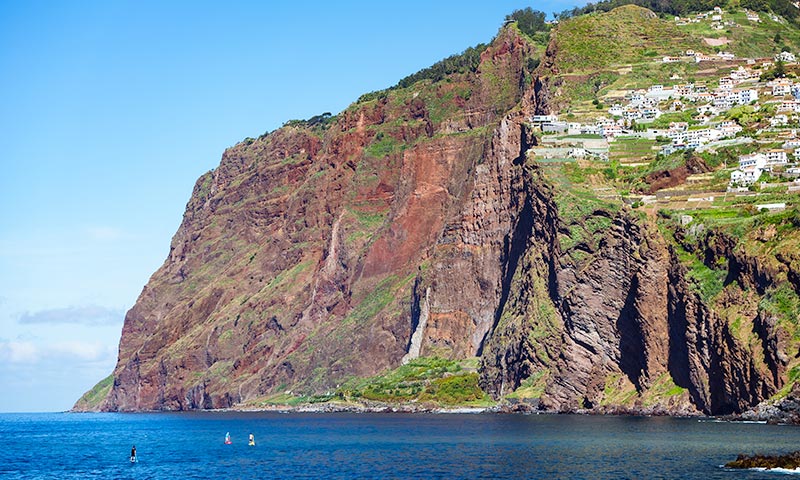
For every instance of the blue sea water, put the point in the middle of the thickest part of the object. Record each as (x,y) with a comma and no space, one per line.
(367,446)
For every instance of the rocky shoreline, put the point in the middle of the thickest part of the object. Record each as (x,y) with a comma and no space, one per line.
(785,411)
(530,407)
(789,462)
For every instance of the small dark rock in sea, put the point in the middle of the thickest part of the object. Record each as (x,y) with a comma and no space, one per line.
(790,461)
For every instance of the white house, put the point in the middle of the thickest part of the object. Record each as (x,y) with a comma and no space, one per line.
(778,120)
(758,160)
(729,128)
(747,176)
(683,89)
(555,127)
(726,56)
(787,57)
(544,118)
(726,83)
(787,106)
(747,96)
(650,113)
(742,74)
(725,101)
(610,131)
(781,87)
(772,207)
(703,109)
(776,156)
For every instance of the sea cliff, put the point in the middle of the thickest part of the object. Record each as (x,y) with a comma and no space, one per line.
(320,259)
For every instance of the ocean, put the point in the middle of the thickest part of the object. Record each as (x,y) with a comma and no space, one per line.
(377,446)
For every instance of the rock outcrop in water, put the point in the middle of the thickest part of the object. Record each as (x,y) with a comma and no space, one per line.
(413,224)
(789,461)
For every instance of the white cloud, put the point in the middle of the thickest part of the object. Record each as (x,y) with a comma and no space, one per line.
(58,353)
(85,315)
(50,377)
(18,352)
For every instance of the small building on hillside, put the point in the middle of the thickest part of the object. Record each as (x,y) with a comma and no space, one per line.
(745,176)
(752,160)
(544,118)
(776,156)
(786,57)
(779,120)
(555,127)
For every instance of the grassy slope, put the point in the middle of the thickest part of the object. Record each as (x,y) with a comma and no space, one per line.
(427,381)
(92,399)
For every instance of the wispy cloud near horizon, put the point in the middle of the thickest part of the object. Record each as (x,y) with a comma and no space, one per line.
(84,315)
(58,353)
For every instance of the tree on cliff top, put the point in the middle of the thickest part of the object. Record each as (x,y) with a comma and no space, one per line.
(529,21)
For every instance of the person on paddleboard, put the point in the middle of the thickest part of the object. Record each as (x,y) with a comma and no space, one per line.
(252,441)
(228,438)
(133,453)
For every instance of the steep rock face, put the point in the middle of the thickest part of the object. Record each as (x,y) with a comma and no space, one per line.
(626,316)
(296,261)
(468,278)
(414,225)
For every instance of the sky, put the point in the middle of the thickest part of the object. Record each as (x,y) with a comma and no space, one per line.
(111,110)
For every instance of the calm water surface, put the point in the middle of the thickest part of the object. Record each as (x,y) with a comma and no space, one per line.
(361,446)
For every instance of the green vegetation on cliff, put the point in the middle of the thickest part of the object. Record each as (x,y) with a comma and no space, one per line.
(431,379)
(785,8)
(93,399)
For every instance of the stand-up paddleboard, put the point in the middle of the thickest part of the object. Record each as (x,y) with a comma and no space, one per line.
(134,459)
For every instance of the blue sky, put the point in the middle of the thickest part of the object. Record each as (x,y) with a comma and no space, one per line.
(110,110)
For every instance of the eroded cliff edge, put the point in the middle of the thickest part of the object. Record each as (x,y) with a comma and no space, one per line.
(413,224)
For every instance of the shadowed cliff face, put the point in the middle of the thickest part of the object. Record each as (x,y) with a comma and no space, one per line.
(625,318)
(414,225)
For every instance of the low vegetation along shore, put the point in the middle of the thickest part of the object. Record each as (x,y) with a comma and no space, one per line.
(426,385)
(421,385)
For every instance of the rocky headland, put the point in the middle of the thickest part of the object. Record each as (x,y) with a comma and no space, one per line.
(410,251)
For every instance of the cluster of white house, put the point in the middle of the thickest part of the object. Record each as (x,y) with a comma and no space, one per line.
(717,23)
(644,105)
(753,165)
(684,137)
(715,16)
